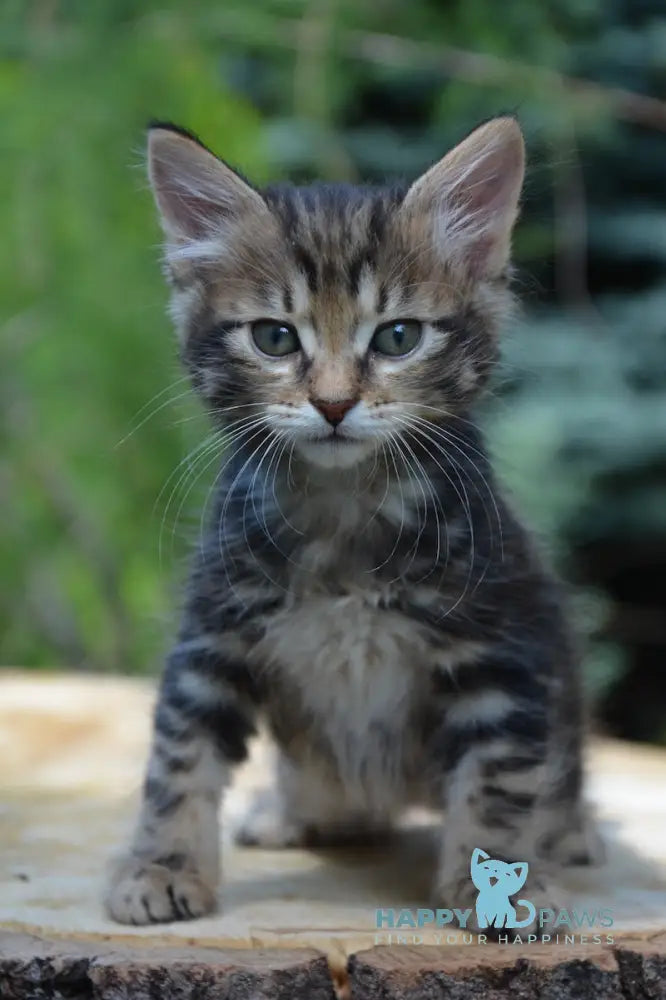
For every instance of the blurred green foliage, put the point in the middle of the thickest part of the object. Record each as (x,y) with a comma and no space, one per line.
(95,413)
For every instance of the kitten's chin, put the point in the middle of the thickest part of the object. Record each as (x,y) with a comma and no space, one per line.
(334,453)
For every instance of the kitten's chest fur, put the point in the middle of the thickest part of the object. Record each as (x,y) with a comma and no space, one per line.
(346,676)
(346,681)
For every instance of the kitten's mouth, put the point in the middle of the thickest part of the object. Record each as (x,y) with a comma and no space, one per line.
(335,439)
(493,880)
(334,450)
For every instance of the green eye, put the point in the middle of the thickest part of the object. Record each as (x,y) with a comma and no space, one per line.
(397,338)
(274,338)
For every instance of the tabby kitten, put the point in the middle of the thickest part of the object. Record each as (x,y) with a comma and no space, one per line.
(363,586)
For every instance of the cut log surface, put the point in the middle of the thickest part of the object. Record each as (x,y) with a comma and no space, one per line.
(642,964)
(72,751)
(32,967)
(35,968)
(636,970)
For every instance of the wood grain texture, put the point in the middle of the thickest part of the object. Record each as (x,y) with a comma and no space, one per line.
(36,968)
(33,968)
(642,963)
(635,969)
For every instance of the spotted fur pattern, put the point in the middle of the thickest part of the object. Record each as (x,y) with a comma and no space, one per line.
(365,589)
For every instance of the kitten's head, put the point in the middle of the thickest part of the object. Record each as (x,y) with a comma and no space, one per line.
(340,317)
(489,872)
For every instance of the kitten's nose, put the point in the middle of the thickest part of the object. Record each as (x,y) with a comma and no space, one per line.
(334,411)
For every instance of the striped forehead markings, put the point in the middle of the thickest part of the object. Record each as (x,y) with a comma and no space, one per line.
(333,237)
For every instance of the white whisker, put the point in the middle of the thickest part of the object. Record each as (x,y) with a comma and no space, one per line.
(464,501)
(153,413)
(392,449)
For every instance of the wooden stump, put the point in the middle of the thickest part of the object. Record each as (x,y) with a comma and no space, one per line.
(642,963)
(33,968)
(489,972)
(292,924)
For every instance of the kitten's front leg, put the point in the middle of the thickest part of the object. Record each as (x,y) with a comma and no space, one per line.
(492,750)
(203,718)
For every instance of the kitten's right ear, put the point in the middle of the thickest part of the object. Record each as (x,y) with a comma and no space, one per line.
(196,193)
(471,197)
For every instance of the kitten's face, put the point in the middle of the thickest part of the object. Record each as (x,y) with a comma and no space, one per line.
(340,318)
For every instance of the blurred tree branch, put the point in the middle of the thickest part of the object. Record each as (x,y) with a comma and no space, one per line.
(570,226)
(463,64)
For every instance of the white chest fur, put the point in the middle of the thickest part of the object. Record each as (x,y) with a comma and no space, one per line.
(357,669)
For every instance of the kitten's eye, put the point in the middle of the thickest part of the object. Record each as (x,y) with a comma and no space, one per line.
(274,338)
(397,338)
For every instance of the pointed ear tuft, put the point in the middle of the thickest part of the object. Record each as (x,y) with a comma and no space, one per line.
(478,855)
(473,194)
(194,190)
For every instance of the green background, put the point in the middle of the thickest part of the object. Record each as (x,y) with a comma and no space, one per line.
(95,418)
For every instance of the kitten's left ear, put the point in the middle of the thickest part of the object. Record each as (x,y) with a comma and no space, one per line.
(196,193)
(472,195)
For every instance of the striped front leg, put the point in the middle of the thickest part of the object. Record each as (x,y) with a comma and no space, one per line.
(491,749)
(203,718)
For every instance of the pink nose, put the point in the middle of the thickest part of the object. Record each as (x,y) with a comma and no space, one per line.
(334,411)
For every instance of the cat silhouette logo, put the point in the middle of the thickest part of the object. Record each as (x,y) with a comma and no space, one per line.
(496,882)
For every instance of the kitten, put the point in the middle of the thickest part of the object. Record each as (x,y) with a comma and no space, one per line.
(363,586)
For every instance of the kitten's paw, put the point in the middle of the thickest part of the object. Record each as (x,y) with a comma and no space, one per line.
(459,893)
(141,892)
(526,906)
